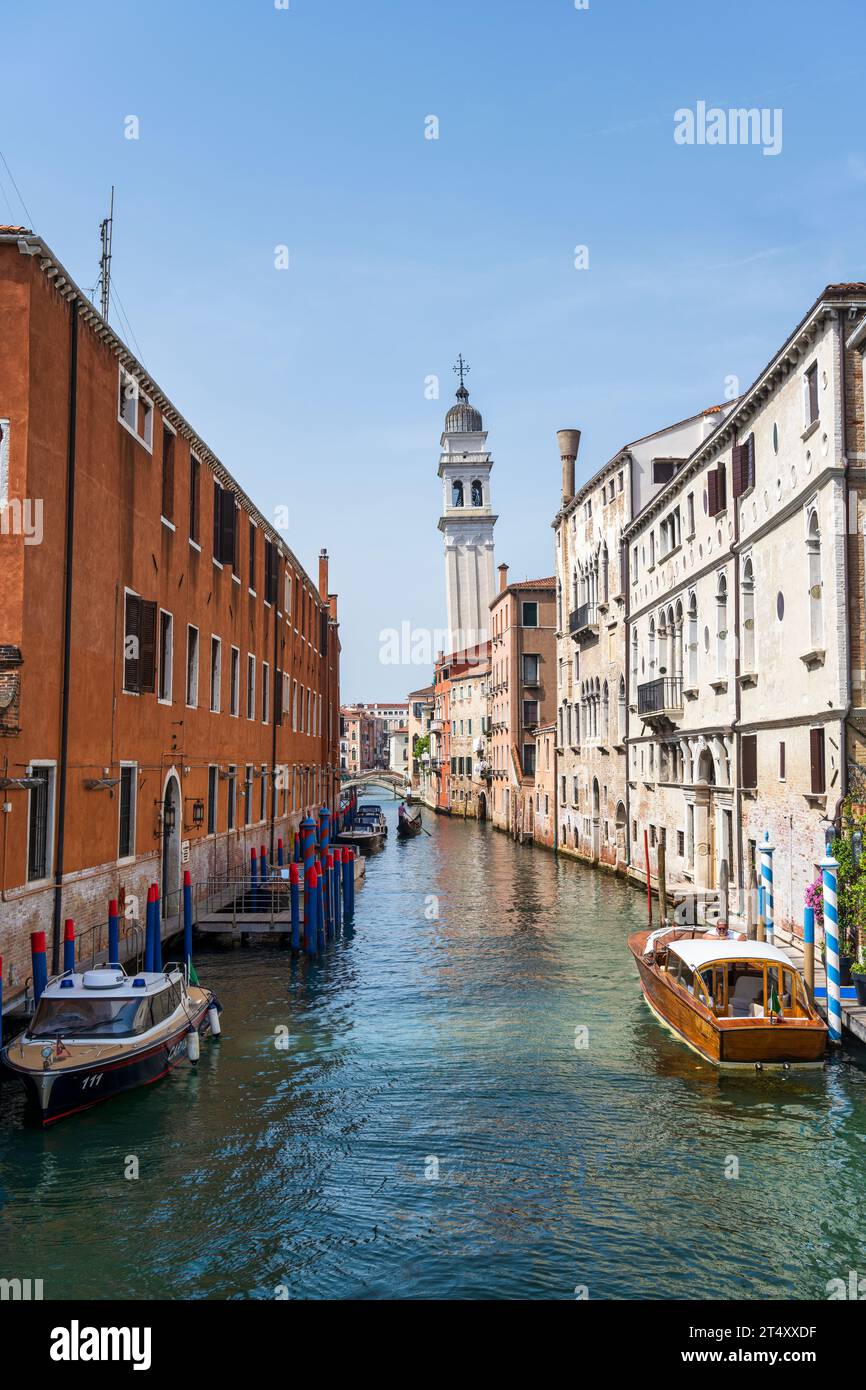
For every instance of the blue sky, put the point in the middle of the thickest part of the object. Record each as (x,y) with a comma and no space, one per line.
(262,127)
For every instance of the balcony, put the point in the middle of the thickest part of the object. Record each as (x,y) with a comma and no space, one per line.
(661,698)
(583,622)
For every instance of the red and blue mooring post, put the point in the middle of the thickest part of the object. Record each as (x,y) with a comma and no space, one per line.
(320,906)
(311,912)
(68,946)
(295,899)
(113,933)
(157,929)
(279,853)
(347,886)
(335,887)
(148,932)
(39,964)
(187,920)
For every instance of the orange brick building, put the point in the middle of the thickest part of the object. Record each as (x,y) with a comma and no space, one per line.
(169,672)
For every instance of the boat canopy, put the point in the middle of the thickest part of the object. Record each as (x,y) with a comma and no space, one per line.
(705,950)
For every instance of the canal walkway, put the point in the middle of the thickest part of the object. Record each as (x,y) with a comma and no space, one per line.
(465,1097)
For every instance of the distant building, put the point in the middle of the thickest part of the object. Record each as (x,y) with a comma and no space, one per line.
(544,821)
(467,522)
(421,706)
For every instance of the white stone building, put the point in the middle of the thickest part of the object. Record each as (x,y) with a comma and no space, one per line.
(467,522)
(740,678)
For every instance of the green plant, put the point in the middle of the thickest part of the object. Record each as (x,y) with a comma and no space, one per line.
(858,968)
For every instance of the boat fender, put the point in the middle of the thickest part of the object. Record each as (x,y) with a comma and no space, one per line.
(213,1018)
(193,1045)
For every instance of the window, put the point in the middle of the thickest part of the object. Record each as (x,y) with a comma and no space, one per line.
(139,644)
(692,644)
(722,627)
(457,493)
(477,493)
(811,394)
(192,666)
(234,682)
(251,686)
(681,843)
(749,760)
(40,832)
(263,793)
(216,669)
(531,670)
(530,615)
(529,759)
(135,410)
(287,594)
(743,467)
(748,616)
(166,655)
(252,570)
(816,603)
(716,490)
(232,792)
(194,492)
(248,795)
(781,762)
(622,716)
(530,713)
(266,676)
(817,761)
(224,526)
(690,513)
(212,784)
(271,568)
(126,828)
(167,473)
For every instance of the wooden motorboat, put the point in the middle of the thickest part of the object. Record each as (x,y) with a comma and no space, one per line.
(371,817)
(736,1002)
(408,823)
(102,1032)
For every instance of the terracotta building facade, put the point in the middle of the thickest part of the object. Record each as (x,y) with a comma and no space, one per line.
(169,671)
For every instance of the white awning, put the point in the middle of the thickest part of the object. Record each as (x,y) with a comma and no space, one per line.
(703,951)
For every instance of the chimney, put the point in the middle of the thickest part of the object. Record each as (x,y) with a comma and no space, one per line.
(503,577)
(323,574)
(569,443)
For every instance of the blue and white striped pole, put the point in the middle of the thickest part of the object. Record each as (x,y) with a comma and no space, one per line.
(829,868)
(767,879)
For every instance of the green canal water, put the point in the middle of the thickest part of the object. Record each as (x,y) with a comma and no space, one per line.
(432,1130)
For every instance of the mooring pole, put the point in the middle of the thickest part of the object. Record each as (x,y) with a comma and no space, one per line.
(157,929)
(113,933)
(187,920)
(829,868)
(649,882)
(68,945)
(809,951)
(311,916)
(295,897)
(663,886)
(39,964)
(767,877)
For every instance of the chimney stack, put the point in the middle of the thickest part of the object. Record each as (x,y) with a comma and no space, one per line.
(503,577)
(569,443)
(323,574)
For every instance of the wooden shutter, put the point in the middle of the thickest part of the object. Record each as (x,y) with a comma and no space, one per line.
(750,462)
(147,660)
(278,697)
(721,489)
(217,519)
(749,760)
(816,749)
(167,474)
(227,527)
(131,642)
(781,762)
(713,492)
(739,465)
(194,475)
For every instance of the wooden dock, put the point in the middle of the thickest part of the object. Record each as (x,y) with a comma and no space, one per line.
(239,908)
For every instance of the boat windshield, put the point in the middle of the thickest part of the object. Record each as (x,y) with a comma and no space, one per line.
(78,1017)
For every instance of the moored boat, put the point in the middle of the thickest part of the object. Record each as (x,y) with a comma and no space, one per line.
(97,1034)
(736,1002)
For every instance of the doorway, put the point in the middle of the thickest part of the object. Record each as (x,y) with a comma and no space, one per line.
(171,827)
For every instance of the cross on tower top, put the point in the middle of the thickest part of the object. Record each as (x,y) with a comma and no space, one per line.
(461,368)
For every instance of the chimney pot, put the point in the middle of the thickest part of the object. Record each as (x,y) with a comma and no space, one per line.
(569,443)
(323,574)
(503,577)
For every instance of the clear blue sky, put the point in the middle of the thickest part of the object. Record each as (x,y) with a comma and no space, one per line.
(305,127)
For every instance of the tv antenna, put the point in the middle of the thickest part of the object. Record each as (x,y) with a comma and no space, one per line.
(106,228)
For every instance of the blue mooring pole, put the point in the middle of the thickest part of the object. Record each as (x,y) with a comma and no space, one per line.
(311,915)
(39,964)
(187,919)
(809,951)
(113,933)
(254,892)
(157,929)
(148,933)
(279,854)
(347,885)
(68,945)
(335,888)
(320,907)
(295,898)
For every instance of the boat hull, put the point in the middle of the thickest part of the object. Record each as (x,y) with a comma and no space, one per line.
(59,1092)
(741,1042)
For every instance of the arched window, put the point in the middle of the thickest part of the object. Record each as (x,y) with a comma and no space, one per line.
(457,493)
(605,574)
(692,643)
(622,711)
(595,708)
(634,661)
(748,616)
(651,651)
(816,587)
(605,713)
(722,627)
(678,643)
(477,493)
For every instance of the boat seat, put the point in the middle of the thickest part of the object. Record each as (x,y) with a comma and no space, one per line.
(746,992)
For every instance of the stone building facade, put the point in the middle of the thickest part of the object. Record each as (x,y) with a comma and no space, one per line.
(740,605)
(522,694)
(470,734)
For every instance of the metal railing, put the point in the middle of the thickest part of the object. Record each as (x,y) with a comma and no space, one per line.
(661,696)
(583,619)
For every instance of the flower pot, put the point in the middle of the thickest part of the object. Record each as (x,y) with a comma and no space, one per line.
(860,985)
(845,963)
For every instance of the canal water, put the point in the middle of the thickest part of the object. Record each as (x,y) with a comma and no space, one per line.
(473,1101)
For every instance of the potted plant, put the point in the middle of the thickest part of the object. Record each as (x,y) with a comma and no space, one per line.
(858,975)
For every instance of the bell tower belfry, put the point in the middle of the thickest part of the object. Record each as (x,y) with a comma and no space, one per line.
(467,520)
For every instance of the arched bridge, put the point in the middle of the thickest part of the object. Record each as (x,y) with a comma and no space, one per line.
(378,777)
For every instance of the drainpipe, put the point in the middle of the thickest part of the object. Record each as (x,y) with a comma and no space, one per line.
(624,571)
(277,688)
(67,635)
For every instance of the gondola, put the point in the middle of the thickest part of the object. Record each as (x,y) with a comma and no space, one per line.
(408,823)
